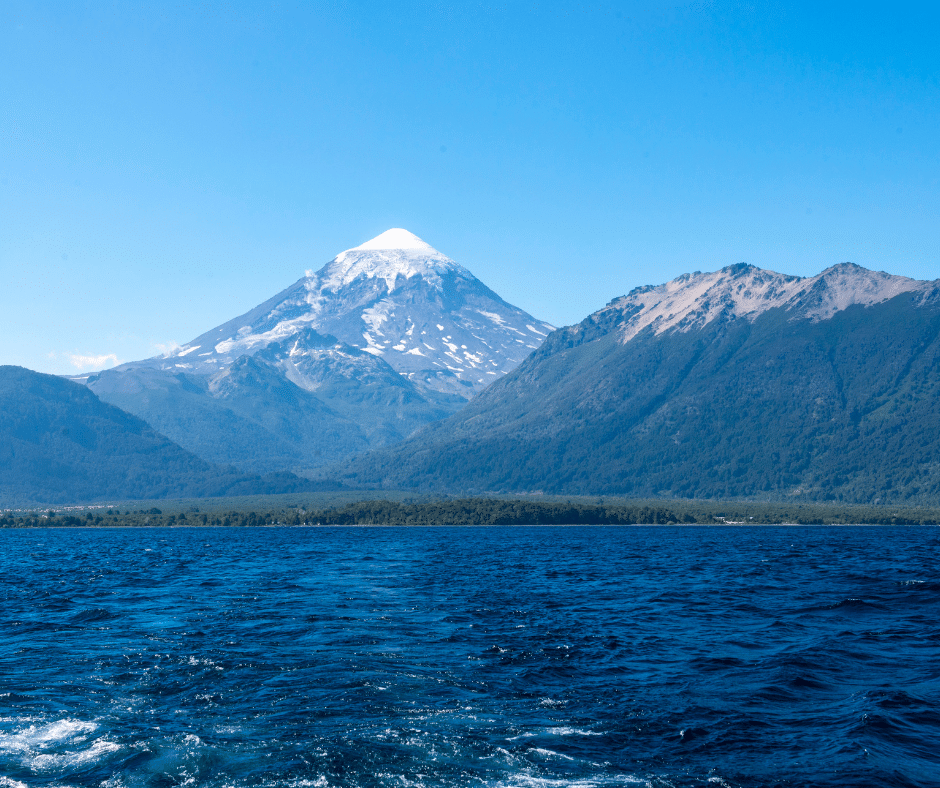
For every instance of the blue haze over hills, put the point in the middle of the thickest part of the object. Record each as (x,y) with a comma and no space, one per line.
(59,444)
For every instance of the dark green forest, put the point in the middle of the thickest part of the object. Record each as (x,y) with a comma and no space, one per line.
(782,409)
(844,410)
(484,511)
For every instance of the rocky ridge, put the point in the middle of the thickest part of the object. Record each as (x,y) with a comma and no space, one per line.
(740,382)
(744,291)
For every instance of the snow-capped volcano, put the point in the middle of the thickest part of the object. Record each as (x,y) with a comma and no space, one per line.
(396,297)
(744,291)
(396,238)
(385,338)
(393,254)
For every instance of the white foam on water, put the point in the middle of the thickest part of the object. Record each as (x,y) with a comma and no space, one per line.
(567,731)
(6,782)
(50,761)
(45,736)
(40,747)
(525,780)
(551,753)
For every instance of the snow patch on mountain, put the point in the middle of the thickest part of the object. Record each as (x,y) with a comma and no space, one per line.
(247,342)
(394,297)
(393,254)
(396,238)
(743,291)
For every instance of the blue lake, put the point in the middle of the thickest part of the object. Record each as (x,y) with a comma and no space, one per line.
(543,656)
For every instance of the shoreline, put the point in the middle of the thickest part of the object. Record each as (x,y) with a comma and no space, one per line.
(471,512)
(461,525)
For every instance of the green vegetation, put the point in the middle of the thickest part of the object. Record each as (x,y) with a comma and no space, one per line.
(59,443)
(482,511)
(844,410)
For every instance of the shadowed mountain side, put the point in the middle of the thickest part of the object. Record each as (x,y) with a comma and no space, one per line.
(359,386)
(294,406)
(844,408)
(249,415)
(60,444)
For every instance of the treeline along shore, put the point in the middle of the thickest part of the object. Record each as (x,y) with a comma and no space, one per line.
(485,511)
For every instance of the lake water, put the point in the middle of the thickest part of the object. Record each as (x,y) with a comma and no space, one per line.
(588,656)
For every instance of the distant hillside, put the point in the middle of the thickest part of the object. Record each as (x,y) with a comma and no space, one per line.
(60,444)
(741,383)
(292,405)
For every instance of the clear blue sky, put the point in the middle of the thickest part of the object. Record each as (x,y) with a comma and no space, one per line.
(165,168)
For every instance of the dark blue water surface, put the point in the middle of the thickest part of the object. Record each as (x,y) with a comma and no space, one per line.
(588,656)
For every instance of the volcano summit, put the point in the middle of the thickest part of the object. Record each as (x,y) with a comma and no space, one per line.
(384,338)
(395,297)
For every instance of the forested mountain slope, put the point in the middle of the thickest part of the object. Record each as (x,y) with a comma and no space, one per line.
(60,444)
(738,383)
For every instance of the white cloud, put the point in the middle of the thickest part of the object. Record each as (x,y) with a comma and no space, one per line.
(166,348)
(85,363)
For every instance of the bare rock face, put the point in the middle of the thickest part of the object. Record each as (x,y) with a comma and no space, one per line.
(744,291)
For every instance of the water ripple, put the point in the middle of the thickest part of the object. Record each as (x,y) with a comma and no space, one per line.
(542,657)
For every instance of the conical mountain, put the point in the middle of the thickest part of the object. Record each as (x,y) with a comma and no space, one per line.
(397,298)
(385,338)
(740,382)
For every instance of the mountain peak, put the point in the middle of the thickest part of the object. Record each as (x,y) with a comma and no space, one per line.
(393,254)
(394,297)
(745,291)
(396,238)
